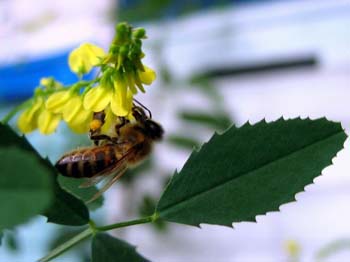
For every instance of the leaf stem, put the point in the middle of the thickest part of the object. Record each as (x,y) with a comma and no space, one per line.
(126,223)
(67,245)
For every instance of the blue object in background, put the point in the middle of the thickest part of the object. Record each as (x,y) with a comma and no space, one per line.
(18,81)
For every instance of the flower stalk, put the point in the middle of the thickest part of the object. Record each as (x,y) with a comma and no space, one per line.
(90,231)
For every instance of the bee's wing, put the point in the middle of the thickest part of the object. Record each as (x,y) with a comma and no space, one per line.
(111,179)
(111,175)
(96,178)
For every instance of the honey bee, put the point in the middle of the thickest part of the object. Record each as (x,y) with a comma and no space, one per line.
(112,155)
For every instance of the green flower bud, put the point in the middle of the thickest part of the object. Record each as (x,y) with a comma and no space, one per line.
(139,33)
(114,49)
(124,50)
(123,33)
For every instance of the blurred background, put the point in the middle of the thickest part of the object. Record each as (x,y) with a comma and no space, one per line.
(219,63)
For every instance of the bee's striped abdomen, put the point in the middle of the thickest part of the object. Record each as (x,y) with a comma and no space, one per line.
(87,162)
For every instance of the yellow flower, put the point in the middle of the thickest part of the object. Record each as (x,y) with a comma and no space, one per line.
(122,76)
(76,116)
(66,105)
(57,101)
(117,91)
(82,59)
(121,102)
(36,116)
(69,104)
(48,122)
(100,97)
(27,121)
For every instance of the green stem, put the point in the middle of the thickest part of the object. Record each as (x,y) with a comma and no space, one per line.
(14,111)
(126,223)
(92,230)
(66,245)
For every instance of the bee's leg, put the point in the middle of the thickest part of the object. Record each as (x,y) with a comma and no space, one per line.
(123,122)
(95,126)
(97,138)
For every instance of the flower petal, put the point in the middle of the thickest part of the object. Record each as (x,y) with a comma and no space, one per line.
(57,101)
(79,129)
(77,62)
(120,89)
(148,76)
(26,123)
(138,82)
(48,122)
(83,117)
(95,53)
(110,121)
(122,109)
(119,108)
(97,98)
(76,116)
(129,100)
(38,103)
(73,106)
(82,59)
(131,83)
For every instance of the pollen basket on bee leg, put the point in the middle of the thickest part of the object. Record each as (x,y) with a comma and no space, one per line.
(95,124)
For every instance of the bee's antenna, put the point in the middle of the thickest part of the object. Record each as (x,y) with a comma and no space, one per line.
(149,111)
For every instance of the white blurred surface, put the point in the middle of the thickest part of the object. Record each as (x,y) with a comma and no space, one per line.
(35,28)
(257,32)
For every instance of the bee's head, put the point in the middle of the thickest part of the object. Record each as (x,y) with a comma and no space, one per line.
(153,129)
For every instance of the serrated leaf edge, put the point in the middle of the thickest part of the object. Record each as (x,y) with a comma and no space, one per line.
(263,121)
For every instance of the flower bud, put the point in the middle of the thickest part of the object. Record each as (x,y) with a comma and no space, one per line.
(139,33)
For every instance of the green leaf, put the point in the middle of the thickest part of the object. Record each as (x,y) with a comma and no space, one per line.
(25,188)
(66,209)
(249,171)
(219,121)
(72,186)
(106,248)
(9,138)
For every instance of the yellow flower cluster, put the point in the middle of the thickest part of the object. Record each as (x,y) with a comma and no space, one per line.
(35,115)
(121,75)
